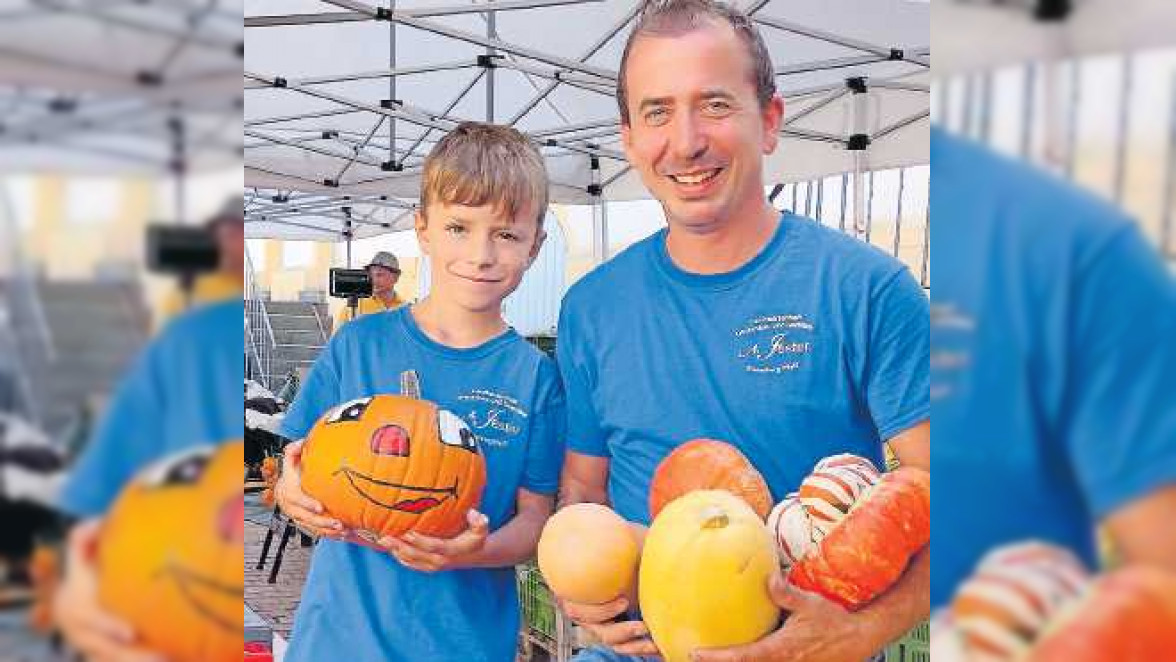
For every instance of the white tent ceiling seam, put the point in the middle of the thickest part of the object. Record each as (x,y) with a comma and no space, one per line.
(548,68)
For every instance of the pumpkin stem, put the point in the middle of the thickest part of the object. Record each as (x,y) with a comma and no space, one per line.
(715,518)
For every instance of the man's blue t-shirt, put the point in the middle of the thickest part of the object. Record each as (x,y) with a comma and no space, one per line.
(1054,361)
(817,346)
(361,604)
(183,391)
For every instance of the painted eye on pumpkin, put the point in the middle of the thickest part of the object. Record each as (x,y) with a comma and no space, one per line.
(185,469)
(455,432)
(349,411)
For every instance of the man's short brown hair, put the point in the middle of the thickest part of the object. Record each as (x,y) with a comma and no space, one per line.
(678,17)
(486,164)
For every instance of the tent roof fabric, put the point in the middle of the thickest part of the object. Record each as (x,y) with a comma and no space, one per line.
(95,87)
(344,98)
(977,35)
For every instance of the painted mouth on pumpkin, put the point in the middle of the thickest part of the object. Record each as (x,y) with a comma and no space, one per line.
(198,591)
(434,496)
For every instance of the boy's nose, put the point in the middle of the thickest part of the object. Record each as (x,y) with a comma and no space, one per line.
(481,252)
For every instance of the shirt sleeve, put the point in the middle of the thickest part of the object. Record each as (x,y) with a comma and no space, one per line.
(545,447)
(124,441)
(1122,374)
(898,371)
(584,434)
(318,393)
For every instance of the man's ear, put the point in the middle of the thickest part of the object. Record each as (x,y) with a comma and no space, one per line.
(419,224)
(773,115)
(626,139)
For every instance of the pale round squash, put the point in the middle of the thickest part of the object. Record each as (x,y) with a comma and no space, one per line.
(588,554)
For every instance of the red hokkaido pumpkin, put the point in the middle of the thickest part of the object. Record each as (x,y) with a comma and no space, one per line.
(871,547)
(708,464)
(388,464)
(169,555)
(1128,615)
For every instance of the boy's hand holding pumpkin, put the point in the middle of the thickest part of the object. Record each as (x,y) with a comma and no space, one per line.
(86,626)
(429,554)
(298,505)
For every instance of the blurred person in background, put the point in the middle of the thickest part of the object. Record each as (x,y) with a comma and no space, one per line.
(228,280)
(1053,369)
(182,391)
(384,270)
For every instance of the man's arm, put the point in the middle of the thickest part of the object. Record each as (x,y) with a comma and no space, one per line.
(584,479)
(818,630)
(1142,532)
(912,446)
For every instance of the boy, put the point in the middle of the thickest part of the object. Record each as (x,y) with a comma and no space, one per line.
(483,196)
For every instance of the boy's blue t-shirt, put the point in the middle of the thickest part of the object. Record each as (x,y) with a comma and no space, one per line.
(817,346)
(1054,361)
(183,390)
(361,604)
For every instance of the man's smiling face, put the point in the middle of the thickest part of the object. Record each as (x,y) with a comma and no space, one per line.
(697,133)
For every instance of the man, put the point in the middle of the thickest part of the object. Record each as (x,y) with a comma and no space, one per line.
(228,281)
(785,338)
(1054,368)
(384,270)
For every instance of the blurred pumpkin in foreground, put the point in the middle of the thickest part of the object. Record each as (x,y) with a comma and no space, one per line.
(170,551)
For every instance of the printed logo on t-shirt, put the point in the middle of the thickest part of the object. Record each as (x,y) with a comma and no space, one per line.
(774,344)
(951,332)
(495,419)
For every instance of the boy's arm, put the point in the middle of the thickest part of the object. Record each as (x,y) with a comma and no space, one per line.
(510,545)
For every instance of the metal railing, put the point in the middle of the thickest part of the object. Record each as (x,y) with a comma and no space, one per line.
(20,298)
(259,333)
(1091,120)
(897,211)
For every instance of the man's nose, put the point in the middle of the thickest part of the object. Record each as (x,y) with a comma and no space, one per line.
(687,140)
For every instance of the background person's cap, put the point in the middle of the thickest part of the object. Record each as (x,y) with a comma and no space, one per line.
(386,260)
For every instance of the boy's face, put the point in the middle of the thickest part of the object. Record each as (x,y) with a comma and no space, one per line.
(478,255)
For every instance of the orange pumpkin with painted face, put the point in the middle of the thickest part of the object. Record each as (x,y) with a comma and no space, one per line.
(388,464)
(169,555)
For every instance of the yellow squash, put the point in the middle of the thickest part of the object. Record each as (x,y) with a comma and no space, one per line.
(704,575)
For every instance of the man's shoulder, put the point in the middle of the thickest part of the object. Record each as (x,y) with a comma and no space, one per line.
(605,281)
(839,253)
(1022,198)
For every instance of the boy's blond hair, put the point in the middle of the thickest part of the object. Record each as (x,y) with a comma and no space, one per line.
(486,164)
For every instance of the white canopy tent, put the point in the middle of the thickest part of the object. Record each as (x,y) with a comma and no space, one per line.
(987,34)
(343,99)
(103,87)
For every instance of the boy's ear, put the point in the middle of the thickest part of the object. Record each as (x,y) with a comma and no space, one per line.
(419,224)
(539,239)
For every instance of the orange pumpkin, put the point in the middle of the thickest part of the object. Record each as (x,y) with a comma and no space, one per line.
(388,464)
(707,464)
(870,549)
(169,555)
(1128,615)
